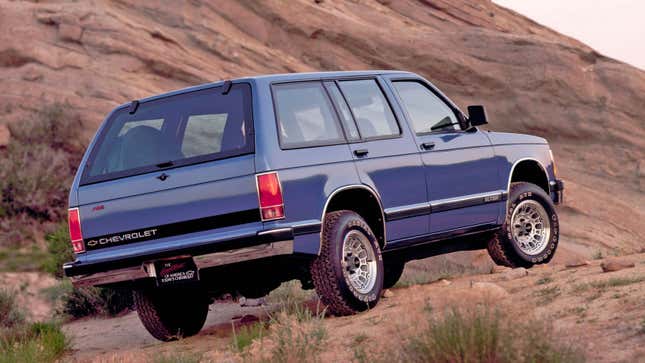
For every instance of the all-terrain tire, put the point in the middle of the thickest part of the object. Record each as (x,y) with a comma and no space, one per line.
(393,272)
(504,249)
(340,296)
(171,314)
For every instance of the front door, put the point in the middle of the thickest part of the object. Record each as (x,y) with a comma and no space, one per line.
(460,168)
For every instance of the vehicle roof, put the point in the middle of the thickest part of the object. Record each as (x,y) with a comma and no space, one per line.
(270,78)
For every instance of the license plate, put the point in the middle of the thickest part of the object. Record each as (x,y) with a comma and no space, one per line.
(176,271)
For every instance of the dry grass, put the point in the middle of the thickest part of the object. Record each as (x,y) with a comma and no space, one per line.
(479,334)
(23,342)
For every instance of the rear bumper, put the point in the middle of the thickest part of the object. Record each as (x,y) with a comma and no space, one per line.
(557,191)
(264,244)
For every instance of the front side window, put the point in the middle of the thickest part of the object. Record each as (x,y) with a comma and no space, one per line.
(172,131)
(428,113)
(305,115)
(372,113)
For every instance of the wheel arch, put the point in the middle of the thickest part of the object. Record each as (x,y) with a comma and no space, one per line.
(529,170)
(363,200)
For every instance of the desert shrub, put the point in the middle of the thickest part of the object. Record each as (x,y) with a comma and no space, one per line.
(60,251)
(116,300)
(37,168)
(90,301)
(55,125)
(295,340)
(10,314)
(291,299)
(38,342)
(79,302)
(34,180)
(482,335)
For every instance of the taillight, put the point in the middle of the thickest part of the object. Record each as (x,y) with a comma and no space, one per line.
(75,233)
(270,196)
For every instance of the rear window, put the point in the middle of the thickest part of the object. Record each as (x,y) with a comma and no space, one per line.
(173,131)
(305,115)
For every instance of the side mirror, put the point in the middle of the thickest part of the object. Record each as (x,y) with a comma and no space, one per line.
(477,115)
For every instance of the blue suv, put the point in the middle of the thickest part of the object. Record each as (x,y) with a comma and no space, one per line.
(335,179)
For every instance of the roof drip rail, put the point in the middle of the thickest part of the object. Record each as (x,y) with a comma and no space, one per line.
(227,87)
(134,105)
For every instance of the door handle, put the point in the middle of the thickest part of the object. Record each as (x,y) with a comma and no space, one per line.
(427,146)
(361,152)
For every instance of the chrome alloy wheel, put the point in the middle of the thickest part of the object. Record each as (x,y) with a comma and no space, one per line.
(531,227)
(359,262)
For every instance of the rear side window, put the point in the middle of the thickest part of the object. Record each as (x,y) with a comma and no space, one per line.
(428,113)
(372,112)
(305,115)
(173,131)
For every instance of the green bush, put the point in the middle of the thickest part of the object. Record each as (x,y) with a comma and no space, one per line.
(22,342)
(38,343)
(60,251)
(245,336)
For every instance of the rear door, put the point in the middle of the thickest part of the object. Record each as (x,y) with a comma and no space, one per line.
(172,168)
(385,155)
(460,168)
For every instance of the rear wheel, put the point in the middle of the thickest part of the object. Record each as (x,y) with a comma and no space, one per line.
(530,232)
(348,273)
(170,314)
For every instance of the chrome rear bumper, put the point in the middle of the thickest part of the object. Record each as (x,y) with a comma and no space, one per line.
(145,270)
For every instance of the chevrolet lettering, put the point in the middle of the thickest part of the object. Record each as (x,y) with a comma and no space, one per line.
(121,238)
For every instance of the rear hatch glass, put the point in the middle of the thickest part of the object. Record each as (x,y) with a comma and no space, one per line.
(173,131)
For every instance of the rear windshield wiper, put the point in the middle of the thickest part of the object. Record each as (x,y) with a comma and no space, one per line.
(166,164)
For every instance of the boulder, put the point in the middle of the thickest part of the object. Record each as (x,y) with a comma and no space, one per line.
(387,293)
(616,264)
(5,135)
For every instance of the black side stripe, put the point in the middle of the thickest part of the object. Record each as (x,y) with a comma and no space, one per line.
(172,229)
(393,214)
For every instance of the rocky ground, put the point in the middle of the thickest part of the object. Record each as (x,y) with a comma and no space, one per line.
(600,313)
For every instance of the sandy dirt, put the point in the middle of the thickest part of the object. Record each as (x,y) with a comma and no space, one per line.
(29,288)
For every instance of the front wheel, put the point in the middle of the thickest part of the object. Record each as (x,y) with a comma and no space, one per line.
(170,314)
(530,232)
(348,273)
